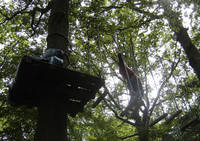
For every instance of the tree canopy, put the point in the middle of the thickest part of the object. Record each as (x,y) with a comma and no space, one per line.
(159,40)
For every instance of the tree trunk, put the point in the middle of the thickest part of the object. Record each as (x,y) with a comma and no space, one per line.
(142,130)
(52,113)
(191,51)
(58,25)
(142,127)
(143,133)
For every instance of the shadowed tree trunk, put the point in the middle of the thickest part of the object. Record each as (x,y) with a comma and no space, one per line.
(142,126)
(52,120)
(58,25)
(182,36)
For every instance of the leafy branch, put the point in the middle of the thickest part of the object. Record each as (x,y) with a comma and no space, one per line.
(8,18)
(174,65)
(130,136)
(32,14)
(117,116)
(42,12)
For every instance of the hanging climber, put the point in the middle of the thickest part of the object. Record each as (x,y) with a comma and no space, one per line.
(134,86)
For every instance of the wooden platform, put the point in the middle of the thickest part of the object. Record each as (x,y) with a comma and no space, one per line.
(36,80)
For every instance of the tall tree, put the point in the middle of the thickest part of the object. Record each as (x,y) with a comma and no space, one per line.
(182,36)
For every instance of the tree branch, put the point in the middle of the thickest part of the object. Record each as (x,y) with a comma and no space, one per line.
(42,12)
(99,99)
(162,85)
(110,7)
(117,116)
(173,116)
(112,99)
(32,13)
(158,119)
(7,18)
(130,136)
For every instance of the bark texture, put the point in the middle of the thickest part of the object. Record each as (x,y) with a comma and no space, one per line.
(182,36)
(58,25)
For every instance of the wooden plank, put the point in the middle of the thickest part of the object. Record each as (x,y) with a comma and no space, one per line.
(24,94)
(76,93)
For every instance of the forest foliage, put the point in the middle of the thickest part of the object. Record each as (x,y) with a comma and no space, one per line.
(146,32)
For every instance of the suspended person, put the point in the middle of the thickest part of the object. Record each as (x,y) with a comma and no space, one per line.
(134,86)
